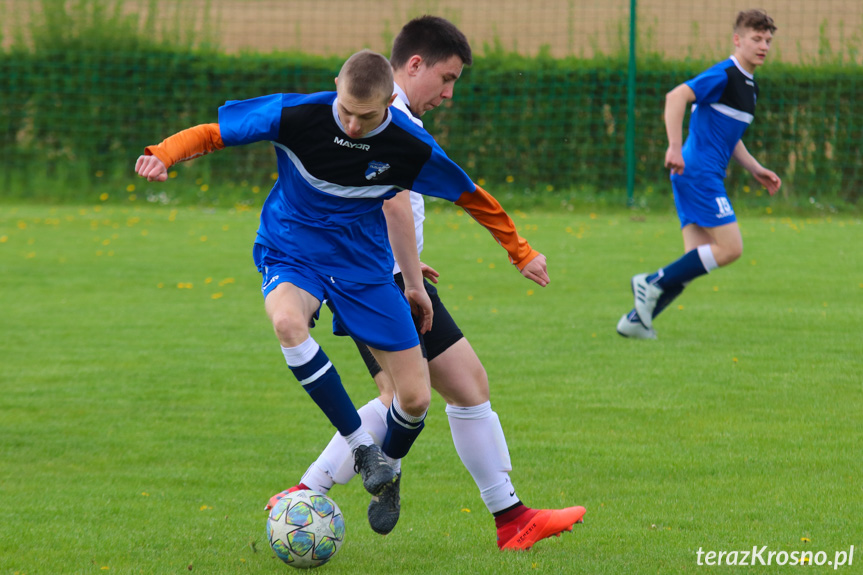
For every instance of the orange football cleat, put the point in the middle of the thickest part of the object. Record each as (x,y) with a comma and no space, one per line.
(536,524)
(275,498)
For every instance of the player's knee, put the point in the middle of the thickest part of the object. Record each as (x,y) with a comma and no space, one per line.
(290,328)
(416,402)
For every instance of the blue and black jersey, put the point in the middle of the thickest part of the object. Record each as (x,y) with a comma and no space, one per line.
(306,215)
(724,107)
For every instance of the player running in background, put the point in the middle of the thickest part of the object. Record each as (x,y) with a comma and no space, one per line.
(427,58)
(724,105)
(323,236)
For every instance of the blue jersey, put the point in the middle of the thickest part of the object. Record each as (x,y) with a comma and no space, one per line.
(325,209)
(725,96)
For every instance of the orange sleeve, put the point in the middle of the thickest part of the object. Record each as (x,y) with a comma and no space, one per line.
(490,214)
(187,144)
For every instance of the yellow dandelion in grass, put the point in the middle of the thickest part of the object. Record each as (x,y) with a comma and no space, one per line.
(132,197)
(680,307)
(226,227)
(470,298)
(105,568)
(593,216)
(99,173)
(160,285)
(509,179)
(97,209)
(734,359)
(106,242)
(549,188)
(22,225)
(805,539)
(530,292)
(491,266)
(205,507)
(494,310)
(203,238)
(185,285)
(145,233)
(172,174)
(103,196)
(481,182)
(274,176)
(753,262)
(130,188)
(4,239)
(256,189)
(205,188)
(769,210)
(226,281)
(479,260)
(31,255)
(217,295)
(208,281)
(465,510)
(199,181)
(746,189)
(715,288)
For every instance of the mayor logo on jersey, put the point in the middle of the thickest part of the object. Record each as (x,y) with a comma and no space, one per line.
(347,144)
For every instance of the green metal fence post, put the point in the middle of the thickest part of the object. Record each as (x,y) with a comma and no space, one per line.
(630,109)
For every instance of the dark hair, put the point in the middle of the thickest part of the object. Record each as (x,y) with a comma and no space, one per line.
(433,38)
(755,20)
(367,74)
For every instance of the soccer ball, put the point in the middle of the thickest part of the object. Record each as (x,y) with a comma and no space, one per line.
(305,529)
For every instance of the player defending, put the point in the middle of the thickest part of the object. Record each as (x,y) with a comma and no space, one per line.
(724,103)
(428,57)
(323,236)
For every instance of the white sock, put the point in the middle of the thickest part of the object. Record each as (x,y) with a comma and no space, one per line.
(707,258)
(336,462)
(302,354)
(481,445)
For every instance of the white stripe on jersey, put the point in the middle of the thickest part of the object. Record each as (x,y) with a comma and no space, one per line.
(732,113)
(331,188)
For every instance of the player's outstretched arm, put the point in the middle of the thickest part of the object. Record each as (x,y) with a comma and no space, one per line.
(180,147)
(676,102)
(487,211)
(765,177)
(402,232)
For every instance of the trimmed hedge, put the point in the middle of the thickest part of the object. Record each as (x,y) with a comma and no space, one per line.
(526,124)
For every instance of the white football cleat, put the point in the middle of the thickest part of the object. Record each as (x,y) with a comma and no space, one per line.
(634,329)
(646,295)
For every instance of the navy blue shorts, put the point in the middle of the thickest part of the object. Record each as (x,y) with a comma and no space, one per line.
(376,314)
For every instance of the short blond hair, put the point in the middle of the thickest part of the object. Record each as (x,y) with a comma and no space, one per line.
(367,75)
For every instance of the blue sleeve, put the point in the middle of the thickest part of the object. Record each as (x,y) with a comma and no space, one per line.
(442,178)
(254,120)
(709,85)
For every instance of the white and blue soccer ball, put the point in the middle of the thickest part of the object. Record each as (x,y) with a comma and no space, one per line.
(305,529)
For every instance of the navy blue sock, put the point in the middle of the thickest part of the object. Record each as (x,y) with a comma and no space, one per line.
(401,433)
(668,296)
(322,382)
(684,270)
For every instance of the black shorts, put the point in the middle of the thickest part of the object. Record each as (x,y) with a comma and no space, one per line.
(443,334)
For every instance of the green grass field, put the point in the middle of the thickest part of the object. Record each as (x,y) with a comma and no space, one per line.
(146,414)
